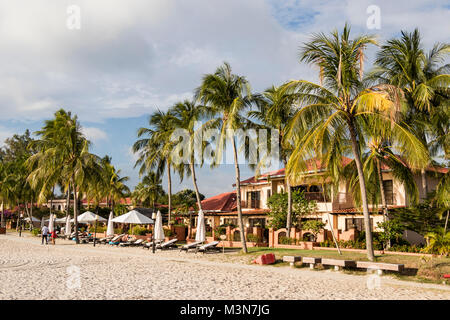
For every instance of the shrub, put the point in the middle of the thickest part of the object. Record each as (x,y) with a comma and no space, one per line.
(99,229)
(168,233)
(286,240)
(35,232)
(138,231)
(252,237)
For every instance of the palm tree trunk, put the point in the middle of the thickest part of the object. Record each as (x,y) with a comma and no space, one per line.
(289,208)
(383,196)
(423,176)
(362,185)
(75,210)
(446,222)
(238,198)
(194,182)
(2,223)
(3,215)
(169,190)
(68,201)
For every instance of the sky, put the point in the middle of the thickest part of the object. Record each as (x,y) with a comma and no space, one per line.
(129,58)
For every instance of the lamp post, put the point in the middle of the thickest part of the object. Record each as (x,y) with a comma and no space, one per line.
(153,232)
(20,224)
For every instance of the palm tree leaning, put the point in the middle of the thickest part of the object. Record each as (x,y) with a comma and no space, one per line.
(187,114)
(154,149)
(404,63)
(275,108)
(227,95)
(331,114)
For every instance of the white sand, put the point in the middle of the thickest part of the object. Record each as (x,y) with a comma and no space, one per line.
(29,270)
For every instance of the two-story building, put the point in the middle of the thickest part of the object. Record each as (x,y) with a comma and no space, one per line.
(336,209)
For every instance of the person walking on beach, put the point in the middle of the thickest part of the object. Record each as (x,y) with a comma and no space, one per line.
(44,232)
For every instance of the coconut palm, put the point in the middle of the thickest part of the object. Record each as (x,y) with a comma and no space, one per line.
(275,108)
(64,152)
(227,95)
(438,242)
(148,190)
(404,63)
(155,150)
(187,114)
(332,113)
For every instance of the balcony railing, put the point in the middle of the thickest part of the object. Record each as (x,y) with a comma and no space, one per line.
(253,204)
(317,196)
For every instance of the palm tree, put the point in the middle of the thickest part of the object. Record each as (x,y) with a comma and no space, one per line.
(331,114)
(404,63)
(227,95)
(113,185)
(275,108)
(148,190)
(64,152)
(155,151)
(186,115)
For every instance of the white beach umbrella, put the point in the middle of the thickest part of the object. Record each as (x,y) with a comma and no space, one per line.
(33,219)
(68,226)
(89,217)
(51,222)
(110,229)
(200,234)
(133,217)
(60,220)
(159,231)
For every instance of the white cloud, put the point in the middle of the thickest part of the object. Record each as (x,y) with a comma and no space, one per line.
(4,134)
(131,57)
(94,134)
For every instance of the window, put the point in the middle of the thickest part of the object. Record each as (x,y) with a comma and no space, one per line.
(257,222)
(358,223)
(388,191)
(253,199)
(269,194)
(232,221)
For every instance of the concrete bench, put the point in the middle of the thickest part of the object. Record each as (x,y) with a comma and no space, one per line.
(292,259)
(338,263)
(311,261)
(379,266)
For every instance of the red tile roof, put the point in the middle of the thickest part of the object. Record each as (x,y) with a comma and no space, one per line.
(315,165)
(223,202)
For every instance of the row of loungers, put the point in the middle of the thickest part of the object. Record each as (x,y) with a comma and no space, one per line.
(337,264)
(198,246)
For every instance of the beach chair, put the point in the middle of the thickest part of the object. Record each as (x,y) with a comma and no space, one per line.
(149,244)
(116,240)
(192,245)
(138,242)
(105,240)
(167,245)
(208,247)
(131,243)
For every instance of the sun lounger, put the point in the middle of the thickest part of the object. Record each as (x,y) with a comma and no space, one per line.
(167,245)
(116,240)
(149,244)
(139,242)
(105,240)
(131,243)
(192,245)
(208,247)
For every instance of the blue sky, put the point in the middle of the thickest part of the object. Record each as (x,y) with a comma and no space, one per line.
(132,57)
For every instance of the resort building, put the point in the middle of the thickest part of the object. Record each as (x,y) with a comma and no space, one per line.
(336,209)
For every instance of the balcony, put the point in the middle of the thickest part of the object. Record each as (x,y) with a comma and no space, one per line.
(317,196)
(253,204)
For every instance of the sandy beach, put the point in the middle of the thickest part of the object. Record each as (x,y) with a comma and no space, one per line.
(29,270)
